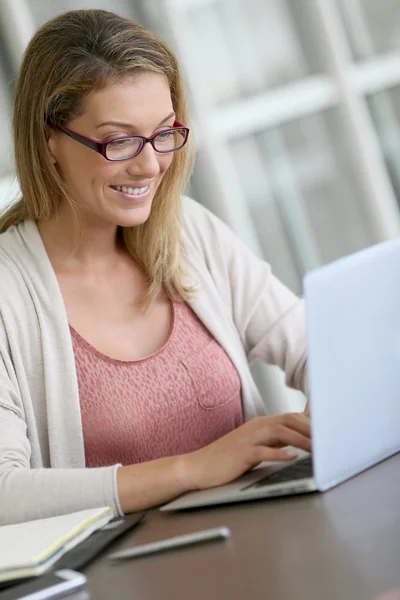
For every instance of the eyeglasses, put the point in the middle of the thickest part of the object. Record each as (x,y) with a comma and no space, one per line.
(168,140)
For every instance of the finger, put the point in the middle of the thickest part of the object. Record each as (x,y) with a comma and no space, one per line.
(298,422)
(278,435)
(262,453)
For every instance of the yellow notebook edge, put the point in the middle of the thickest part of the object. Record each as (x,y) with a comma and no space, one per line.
(77,535)
(103,512)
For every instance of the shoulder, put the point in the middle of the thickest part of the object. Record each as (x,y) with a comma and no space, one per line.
(17,257)
(6,237)
(16,238)
(8,255)
(204,231)
(197,217)
(208,235)
(214,250)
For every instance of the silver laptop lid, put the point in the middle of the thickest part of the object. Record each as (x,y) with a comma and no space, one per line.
(353,324)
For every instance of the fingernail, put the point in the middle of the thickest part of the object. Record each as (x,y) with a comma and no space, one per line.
(291,453)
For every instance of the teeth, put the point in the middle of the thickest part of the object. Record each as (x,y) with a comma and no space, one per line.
(130,190)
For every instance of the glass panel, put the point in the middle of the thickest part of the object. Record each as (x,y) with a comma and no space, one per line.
(43,10)
(299,181)
(372,25)
(250,46)
(385,112)
(264,210)
(6,152)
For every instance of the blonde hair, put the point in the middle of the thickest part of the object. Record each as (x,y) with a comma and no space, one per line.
(70,56)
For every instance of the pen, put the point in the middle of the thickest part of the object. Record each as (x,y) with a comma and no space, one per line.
(174,542)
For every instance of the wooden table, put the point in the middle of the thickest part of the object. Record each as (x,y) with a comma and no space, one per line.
(340,545)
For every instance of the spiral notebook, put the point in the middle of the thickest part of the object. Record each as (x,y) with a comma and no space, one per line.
(31,548)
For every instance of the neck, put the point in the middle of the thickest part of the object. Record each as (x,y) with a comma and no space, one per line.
(95,248)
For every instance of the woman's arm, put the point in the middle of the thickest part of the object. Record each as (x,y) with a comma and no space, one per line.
(261,439)
(42,492)
(30,493)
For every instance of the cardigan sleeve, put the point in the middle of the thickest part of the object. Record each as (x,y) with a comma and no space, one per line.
(40,474)
(270,319)
(28,493)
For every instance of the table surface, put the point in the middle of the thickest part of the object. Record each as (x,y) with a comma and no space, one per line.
(342,544)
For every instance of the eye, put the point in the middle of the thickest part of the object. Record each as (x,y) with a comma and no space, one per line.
(121,142)
(165,135)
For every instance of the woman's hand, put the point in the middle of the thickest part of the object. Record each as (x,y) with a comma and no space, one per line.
(148,484)
(261,438)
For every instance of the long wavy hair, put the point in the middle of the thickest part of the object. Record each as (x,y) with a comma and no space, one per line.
(70,56)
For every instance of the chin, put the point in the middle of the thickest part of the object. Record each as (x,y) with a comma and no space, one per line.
(133,218)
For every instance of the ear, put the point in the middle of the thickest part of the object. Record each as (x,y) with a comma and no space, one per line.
(51,143)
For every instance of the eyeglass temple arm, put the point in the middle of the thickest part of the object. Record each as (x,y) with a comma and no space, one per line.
(98,146)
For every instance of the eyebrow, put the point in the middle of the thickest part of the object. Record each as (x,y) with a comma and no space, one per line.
(129,125)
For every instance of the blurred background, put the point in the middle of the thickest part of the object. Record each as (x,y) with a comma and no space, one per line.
(296,114)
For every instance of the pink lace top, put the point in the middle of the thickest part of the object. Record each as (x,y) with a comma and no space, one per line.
(182,397)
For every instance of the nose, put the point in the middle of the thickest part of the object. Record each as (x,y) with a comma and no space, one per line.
(145,164)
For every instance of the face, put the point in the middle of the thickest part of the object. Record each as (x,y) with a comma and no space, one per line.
(139,106)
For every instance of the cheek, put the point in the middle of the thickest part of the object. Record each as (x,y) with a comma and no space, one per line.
(106,172)
(165,163)
(95,172)
(78,168)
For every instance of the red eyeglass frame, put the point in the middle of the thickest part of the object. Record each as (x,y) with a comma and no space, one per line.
(101,147)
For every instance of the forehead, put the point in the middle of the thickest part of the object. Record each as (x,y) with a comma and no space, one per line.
(144,99)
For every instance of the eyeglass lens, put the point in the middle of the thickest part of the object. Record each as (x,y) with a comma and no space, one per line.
(165,141)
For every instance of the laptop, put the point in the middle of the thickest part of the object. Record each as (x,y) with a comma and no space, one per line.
(353,338)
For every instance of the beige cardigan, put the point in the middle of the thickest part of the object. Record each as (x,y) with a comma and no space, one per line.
(42,462)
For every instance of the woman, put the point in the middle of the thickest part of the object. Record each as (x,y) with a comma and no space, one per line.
(128,313)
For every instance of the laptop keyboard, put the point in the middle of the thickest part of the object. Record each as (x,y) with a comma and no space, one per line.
(300,469)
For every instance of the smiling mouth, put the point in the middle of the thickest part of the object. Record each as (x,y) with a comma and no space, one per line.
(138,191)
